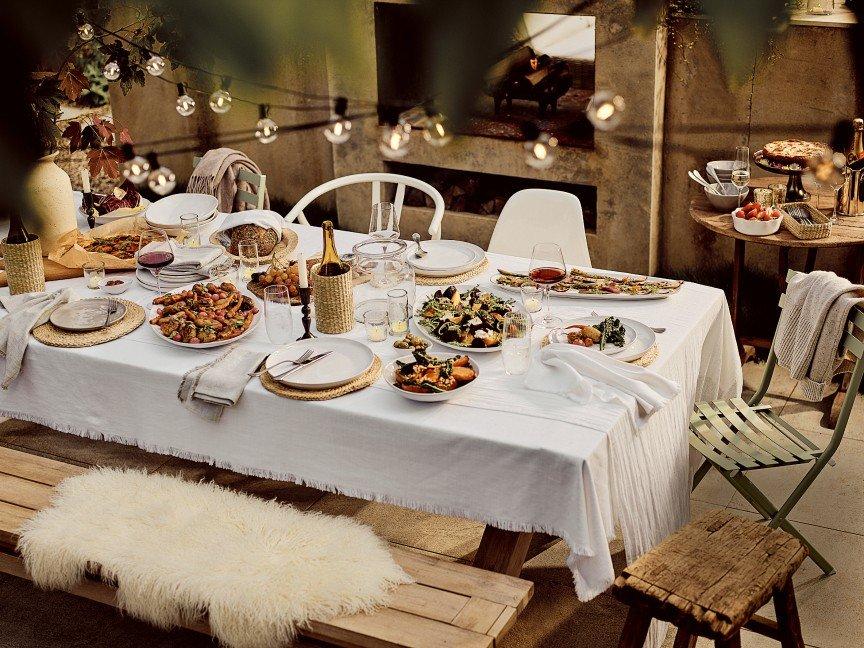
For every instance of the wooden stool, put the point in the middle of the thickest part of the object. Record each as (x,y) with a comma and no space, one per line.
(709,579)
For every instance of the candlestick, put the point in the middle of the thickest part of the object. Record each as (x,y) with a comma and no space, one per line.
(305,299)
(303,272)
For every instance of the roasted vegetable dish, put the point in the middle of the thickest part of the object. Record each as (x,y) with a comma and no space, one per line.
(427,374)
(589,283)
(122,246)
(470,319)
(204,313)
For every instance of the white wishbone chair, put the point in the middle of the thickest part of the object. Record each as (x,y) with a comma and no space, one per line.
(376,179)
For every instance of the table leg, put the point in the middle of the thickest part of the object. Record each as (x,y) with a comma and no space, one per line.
(737,271)
(783,268)
(502,551)
(811,259)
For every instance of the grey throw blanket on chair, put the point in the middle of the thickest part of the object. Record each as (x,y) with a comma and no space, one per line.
(811,327)
(216,174)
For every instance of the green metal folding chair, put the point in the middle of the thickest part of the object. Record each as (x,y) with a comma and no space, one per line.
(257,181)
(736,437)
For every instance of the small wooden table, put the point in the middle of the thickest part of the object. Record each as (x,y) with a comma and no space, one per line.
(847,232)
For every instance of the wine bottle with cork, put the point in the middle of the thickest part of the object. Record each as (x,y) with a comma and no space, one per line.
(332,288)
(331,264)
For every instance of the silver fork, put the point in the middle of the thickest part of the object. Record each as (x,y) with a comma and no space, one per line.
(303,358)
(656,329)
(112,308)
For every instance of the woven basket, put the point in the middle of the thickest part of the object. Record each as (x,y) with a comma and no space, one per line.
(334,302)
(25,271)
(821,227)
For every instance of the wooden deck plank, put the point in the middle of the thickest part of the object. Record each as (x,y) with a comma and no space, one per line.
(462,579)
(503,623)
(23,492)
(478,615)
(36,468)
(11,519)
(429,602)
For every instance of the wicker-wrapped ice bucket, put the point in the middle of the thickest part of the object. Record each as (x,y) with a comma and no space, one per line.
(334,302)
(25,271)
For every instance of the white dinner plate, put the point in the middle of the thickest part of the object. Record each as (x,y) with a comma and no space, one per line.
(445,258)
(349,360)
(415,322)
(89,314)
(630,335)
(644,337)
(154,308)
(391,368)
(166,211)
(572,294)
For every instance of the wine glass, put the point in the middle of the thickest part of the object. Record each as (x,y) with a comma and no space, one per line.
(384,222)
(741,170)
(247,250)
(547,269)
(154,252)
(278,319)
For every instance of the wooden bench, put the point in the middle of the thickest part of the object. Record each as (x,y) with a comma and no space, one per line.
(450,604)
(710,578)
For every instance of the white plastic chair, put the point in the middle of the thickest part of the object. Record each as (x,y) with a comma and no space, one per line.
(401,181)
(534,216)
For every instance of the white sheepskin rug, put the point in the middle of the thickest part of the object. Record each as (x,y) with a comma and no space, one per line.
(179,550)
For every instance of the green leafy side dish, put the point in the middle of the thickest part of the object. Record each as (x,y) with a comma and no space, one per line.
(471,319)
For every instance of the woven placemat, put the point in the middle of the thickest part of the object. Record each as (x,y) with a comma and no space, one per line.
(643,361)
(453,279)
(53,336)
(364,380)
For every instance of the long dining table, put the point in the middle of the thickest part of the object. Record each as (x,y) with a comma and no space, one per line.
(522,462)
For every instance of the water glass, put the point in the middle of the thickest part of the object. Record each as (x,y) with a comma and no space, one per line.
(516,343)
(397,311)
(384,222)
(532,298)
(278,319)
(376,325)
(247,250)
(94,274)
(190,223)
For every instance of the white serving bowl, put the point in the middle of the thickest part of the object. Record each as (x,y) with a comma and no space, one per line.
(723,169)
(390,371)
(727,201)
(117,289)
(756,227)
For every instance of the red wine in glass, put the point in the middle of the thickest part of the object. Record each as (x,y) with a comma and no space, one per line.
(156,260)
(547,275)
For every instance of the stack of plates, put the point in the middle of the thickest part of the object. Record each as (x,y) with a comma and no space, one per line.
(723,169)
(446,258)
(347,361)
(165,213)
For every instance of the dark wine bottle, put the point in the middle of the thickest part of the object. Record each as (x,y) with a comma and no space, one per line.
(331,264)
(17,232)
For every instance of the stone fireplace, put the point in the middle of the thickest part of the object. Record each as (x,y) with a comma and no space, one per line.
(616,176)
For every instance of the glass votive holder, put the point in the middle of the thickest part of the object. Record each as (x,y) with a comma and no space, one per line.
(397,310)
(778,193)
(376,325)
(191,226)
(763,196)
(532,298)
(94,274)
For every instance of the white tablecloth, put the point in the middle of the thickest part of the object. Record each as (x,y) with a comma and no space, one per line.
(519,460)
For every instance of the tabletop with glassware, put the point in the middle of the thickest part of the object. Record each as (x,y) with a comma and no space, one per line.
(518,397)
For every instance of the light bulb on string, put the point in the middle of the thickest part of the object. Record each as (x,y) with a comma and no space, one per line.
(266,129)
(539,147)
(605,110)
(338,131)
(220,101)
(86,32)
(134,168)
(155,65)
(161,180)
(394,141)
(437,131)
(185,104)
(111,71)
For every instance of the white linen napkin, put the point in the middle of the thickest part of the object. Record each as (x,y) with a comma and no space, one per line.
(260,217)
(26,312)
(194,258)
(582,375)
(207,390)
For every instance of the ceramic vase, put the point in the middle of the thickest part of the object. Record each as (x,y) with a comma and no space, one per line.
(50,210)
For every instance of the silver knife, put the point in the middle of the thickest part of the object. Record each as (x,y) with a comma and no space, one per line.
(310,361)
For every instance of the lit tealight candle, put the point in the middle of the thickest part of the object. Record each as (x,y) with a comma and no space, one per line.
(532,304)
(302,271)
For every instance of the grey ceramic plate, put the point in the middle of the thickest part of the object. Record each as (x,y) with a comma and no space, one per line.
(87,314)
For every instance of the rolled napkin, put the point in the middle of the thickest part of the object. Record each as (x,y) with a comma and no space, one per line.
(582,375)
(26,312)
(207,390)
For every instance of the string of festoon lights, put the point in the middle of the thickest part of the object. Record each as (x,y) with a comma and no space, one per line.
(604,110)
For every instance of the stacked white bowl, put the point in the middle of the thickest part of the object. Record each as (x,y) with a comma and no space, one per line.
(723,169)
